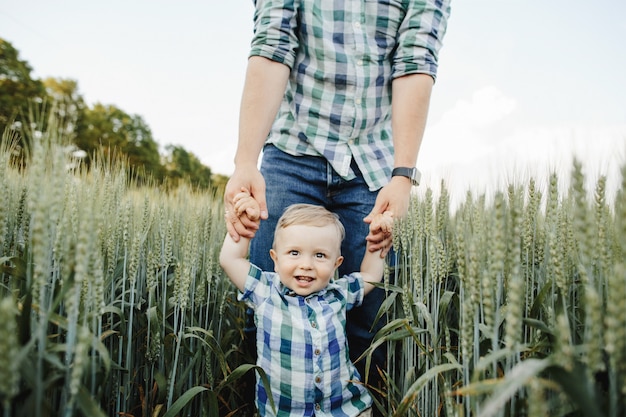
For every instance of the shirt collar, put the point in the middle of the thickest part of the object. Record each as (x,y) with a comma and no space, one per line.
(284,290)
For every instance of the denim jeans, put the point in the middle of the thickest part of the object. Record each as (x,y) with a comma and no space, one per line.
(310,179)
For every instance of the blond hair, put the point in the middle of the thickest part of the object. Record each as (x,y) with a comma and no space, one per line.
(309,215)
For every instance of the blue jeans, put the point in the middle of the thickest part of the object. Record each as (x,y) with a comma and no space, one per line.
(309,179)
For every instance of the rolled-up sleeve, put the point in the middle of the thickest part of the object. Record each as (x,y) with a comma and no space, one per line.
(275,36)
(420,38)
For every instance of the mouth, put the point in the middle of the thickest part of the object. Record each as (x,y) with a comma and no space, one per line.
(303,280)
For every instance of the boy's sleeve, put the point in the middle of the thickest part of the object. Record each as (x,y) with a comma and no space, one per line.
(354,288)
(256,288)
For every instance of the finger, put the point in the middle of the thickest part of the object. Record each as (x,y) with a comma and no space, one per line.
(241,198)
(248,206)
(375,237)
(253,213)
(252,209)
(250,224)
(260,198)
(244,231)
(378,208)
(236,227)
(230,228)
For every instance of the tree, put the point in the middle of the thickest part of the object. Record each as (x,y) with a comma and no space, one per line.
(113,131)
(26,103)
(185,166)
(19,92)
(69,105)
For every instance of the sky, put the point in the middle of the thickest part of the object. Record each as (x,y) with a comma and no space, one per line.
(523,85)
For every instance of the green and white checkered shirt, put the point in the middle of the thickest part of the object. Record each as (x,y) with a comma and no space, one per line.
(343,55)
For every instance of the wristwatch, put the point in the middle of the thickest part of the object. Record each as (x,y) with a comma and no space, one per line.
(411,173)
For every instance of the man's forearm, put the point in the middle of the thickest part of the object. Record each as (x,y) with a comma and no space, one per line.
(410,102)
(263,92)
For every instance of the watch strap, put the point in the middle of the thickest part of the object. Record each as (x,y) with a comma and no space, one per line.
(411,173)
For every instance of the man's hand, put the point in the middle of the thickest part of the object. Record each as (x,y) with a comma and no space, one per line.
(244,223)
(393,198)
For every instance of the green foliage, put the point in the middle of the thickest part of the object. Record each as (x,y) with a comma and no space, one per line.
(112,301)
(520,299)
(116,293)
(110,130)
(17,89)
(99,131)
(183,166)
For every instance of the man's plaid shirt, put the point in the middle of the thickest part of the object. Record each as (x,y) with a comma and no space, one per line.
(343,56)
(302,346)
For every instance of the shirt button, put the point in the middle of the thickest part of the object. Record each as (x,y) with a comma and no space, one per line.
(351,142)
(313,324)
(318,407)
(318,379)
(317,352)
(360,62)
(357,101)
(357,25)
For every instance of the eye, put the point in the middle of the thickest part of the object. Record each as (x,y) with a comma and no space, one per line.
(320,255)
(294,252)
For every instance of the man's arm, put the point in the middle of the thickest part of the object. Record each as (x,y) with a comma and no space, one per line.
(263,92)
(234,260)
(409,111)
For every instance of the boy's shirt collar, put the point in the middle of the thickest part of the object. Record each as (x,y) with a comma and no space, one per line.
(286,291)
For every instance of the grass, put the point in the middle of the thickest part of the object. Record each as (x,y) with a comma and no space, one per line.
(112,301)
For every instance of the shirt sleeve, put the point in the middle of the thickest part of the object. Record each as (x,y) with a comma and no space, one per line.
(255,288)
(354,289)
(275,38)
(420,38)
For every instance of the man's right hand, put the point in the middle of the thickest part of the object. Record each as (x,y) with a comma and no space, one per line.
(247,224)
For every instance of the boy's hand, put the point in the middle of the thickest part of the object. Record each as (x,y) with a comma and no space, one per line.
(381,230)
(244,203)
(383,222)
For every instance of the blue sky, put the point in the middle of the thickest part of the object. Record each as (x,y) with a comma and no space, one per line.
(523,84)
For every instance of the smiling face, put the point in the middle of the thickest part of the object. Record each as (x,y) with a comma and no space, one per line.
(306,257)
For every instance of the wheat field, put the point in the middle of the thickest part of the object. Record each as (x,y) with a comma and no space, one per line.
(112,302)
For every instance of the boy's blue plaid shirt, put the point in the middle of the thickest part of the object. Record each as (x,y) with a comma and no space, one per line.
(344,56)
(302,345)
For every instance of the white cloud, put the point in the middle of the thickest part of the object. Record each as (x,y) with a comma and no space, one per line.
(463,132)
(486,107)
(533,152)
(479,145)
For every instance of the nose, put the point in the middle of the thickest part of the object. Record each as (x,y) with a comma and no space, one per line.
(306,263)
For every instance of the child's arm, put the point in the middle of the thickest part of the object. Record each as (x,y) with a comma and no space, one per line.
(234,255)
(373,265)
(234,260)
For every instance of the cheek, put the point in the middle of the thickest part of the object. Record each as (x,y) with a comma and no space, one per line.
(327,270)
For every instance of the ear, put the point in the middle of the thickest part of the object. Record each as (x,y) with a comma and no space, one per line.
(274,257)
(339,261)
